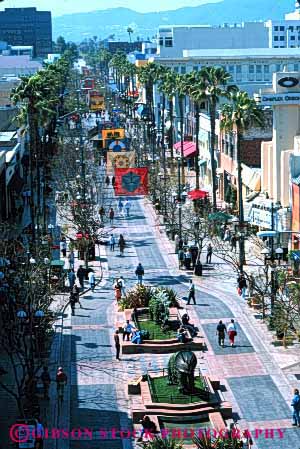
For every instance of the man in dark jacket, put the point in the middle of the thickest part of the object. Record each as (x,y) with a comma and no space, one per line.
(81,275)
(139,272)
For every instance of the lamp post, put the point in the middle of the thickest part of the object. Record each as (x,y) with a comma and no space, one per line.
(179,196)
(270,262)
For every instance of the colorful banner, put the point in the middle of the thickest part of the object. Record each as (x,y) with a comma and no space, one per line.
(117,145)
(131,181)
(97,102)
(125,159)
(88,83)
(117,133)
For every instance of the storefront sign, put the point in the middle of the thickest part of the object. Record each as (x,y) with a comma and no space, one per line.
(275,99)
(263,218)
(288,81)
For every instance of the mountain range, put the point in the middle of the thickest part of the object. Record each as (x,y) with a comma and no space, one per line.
(114,21)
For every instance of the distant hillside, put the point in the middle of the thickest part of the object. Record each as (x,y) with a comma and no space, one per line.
(115,21)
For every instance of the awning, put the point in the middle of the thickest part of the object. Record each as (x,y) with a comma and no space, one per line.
(296,180)
(189,148)
(16,183)
(251,177)
(197,194)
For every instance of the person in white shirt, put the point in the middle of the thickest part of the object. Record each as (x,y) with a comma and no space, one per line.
(92,280)
(231,331)
(127,207)
(121,282)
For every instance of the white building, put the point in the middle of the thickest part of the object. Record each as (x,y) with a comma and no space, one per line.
(251,69)
(285,33)
(172,40)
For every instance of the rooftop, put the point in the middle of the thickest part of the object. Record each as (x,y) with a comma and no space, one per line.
(243,53)
(23,61)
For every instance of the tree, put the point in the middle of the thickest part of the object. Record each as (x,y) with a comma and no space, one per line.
(238,115)
(182,88)
(167,85)
(61,45)
(216,87)
(130,32)
(196,88)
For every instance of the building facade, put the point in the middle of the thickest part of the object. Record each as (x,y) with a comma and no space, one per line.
(172,40)
(27,26)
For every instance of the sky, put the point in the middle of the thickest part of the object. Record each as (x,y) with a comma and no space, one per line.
(59,7)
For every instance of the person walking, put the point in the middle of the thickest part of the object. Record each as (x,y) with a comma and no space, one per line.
(191,295)
(233,242)
(139,272)
(112,242)
(180,258)
(127,207)
(102,214)
(220,332)
(209,253)
(63,247)
(242,285)
(111,216)
(81,276)
(187,259)
(46,381)
(75,293)
(121,244)
(121,283)
(92,280)
(61,381)
(71,260)
(73,301)
(296,408)
(39,434)
(118,290)
(231,331)
(117,344)
(113,181)
(71,278)
(107,181)
(120,206)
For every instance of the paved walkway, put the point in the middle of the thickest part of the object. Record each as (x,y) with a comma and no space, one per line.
(96,396)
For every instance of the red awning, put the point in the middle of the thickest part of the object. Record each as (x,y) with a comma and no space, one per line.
(189,148)
(197,194)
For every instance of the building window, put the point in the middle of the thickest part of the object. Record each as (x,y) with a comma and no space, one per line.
(293,38)
(275,38)
(161,41)
(238,69)
(251,68)
(169,42)
(291,28)
(176,69)
(281,28)
(266,69)
(258,68)
(296,67)
(183,70)
(278,67)
(281,38)
(293,46)
(275,46)
(276,28)
(195,68)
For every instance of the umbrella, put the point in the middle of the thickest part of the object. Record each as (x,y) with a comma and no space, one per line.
(219,216)
(197,194)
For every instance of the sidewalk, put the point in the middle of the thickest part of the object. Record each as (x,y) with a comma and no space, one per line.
(255,369)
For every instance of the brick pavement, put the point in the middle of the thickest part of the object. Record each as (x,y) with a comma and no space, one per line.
(98,382)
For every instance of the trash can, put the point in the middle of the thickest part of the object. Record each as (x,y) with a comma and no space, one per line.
(198,269)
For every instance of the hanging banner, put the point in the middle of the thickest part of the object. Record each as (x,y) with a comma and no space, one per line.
(88,83)
(131,181)
(124,159)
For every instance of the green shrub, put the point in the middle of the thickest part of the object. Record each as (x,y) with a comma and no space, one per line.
(137,297)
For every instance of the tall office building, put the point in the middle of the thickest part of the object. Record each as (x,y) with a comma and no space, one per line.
(27,26)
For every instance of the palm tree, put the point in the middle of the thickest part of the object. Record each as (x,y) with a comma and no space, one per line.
(162,443)
(148,75)
(130,32)
(196,88)
(167,85)
(216,82)
(182,89)
(241,113)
